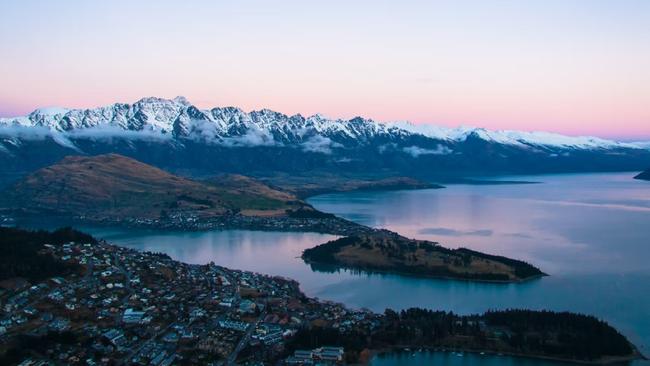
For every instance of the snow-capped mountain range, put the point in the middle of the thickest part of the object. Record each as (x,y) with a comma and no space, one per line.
(174,134)
(177,118)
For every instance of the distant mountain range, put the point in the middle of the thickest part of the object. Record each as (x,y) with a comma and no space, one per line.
(176,135)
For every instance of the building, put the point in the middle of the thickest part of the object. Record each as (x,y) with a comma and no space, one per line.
(318,356)
(132,316)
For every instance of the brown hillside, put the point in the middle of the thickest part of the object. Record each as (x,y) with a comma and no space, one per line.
(114,186)
(241,184)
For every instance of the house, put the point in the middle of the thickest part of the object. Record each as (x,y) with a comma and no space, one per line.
(226,302)
(171,337)
(59,325)
(234,325)
(323,355)
(331,354)
(301,357)
(115,337)
(132,316)
(247,307)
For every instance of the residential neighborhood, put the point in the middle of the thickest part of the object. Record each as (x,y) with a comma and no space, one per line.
(130,307)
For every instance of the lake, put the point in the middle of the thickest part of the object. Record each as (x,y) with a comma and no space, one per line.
(589,232)
(456,359)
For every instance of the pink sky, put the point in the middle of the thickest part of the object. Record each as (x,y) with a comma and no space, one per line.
(574,67)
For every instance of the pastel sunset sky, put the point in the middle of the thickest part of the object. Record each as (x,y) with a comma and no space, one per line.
(579,67)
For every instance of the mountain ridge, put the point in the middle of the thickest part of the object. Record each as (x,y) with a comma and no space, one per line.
(179,117)
(175,135)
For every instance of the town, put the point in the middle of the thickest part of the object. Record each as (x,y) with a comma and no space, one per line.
(130,307)
(190,221)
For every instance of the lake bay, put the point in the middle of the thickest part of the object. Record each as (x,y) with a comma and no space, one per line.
(589,232)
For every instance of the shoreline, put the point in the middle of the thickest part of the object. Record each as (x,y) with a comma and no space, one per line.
(314,193)
(331,226)
(425,276)
(492,353)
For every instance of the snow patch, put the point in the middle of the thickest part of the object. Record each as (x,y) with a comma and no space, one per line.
(62,140)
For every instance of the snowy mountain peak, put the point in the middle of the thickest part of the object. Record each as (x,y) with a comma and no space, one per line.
(50,111)
(181,100)
(178,118)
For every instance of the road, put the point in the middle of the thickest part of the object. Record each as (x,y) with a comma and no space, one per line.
(244,340)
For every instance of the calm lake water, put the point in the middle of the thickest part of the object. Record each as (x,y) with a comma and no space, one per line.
(590,232)
(456,359)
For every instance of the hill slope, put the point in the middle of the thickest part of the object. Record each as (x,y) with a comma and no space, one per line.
(307,185)
(643,175)
(113,186)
